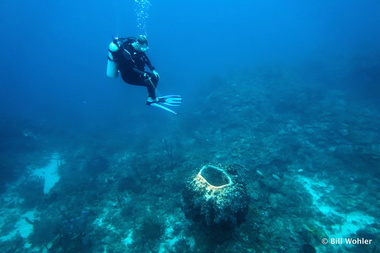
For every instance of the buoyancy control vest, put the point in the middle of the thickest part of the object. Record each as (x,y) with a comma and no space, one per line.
(114,46)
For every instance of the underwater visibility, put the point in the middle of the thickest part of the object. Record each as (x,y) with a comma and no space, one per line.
(247,127)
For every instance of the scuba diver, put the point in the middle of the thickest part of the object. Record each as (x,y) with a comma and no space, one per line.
(127,56)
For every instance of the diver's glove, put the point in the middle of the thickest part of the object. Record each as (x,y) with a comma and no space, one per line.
(156,74)
(146,76)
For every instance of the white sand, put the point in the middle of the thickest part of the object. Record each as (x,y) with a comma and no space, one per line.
(49,173)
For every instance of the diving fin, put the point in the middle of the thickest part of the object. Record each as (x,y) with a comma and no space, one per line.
(163,107)
(171,100)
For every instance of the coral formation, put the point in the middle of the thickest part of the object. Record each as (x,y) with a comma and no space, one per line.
(217,197)
(310,165)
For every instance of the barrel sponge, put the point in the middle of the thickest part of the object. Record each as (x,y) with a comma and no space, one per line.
(217,197)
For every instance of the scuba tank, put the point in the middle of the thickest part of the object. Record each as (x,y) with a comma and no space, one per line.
(112,66)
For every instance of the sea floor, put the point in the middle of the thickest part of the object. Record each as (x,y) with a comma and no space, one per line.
(310,159)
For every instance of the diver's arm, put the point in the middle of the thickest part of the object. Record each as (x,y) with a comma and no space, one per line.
(138,71)
(150,66)
(148,63)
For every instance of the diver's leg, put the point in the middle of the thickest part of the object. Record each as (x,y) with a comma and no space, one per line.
(151,85)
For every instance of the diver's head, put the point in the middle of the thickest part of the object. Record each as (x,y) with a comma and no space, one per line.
(141,44)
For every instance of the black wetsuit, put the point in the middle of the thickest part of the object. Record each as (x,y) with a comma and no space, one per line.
(131,65)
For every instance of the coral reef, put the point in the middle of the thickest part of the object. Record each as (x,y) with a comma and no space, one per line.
(302,163)
(31,190)
(44,231)
(148,233)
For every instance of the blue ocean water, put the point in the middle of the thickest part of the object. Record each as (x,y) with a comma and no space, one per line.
(288,89)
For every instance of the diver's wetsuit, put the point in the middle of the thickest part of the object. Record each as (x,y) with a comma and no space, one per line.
(131,65)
